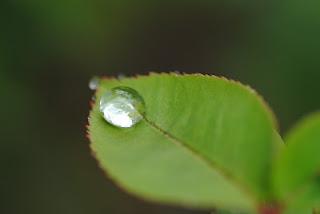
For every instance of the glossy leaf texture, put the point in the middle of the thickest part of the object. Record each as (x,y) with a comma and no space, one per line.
(297,171)
(204,142)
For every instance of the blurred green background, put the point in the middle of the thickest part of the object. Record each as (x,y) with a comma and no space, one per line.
(50,49)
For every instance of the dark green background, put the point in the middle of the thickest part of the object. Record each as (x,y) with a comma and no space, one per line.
(50,49)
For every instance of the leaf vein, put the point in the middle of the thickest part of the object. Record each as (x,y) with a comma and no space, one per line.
(211,164)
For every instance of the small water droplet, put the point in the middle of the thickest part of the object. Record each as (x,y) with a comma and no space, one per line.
(121,76)
(176,72)
(94,83)
(122,107)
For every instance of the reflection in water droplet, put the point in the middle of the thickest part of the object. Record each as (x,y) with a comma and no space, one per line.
(94,83)
(122,107)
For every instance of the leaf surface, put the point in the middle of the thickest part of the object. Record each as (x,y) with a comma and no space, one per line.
(205,142)
(297,172)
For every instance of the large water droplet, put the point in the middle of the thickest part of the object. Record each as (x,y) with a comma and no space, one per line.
(122,107)
(94,83)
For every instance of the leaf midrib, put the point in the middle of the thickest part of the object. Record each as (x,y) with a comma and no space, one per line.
(211,164)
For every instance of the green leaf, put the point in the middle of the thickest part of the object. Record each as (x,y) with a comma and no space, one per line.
(297,172)
(205,142)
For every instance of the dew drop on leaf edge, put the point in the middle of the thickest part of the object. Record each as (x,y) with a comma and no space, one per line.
(122,107)
(94,83)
